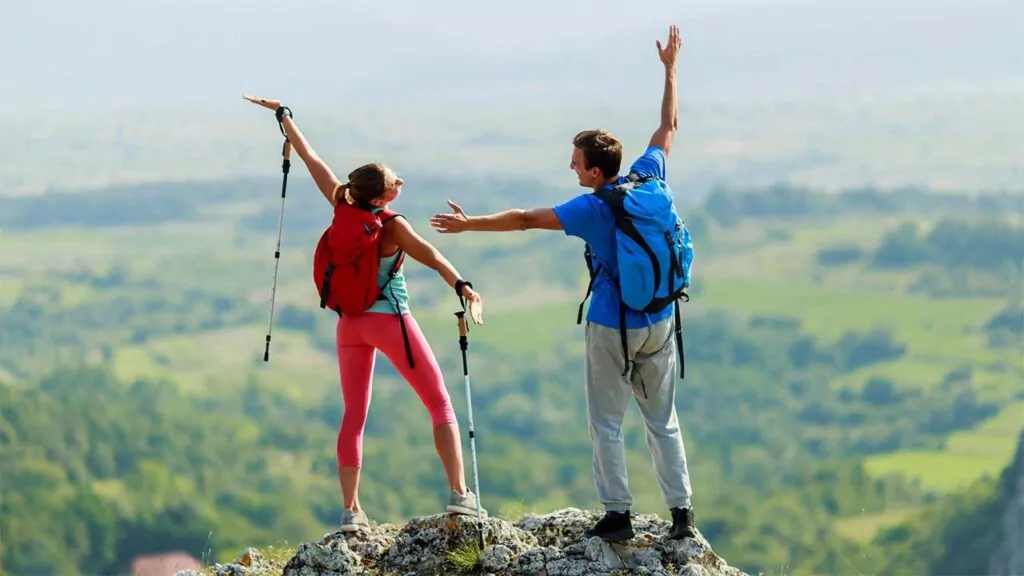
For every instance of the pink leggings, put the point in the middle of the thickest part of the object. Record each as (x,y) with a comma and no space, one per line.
(359,336)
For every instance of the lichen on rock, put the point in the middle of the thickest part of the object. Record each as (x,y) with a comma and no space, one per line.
(535,545)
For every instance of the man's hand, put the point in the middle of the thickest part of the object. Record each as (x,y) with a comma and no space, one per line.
(451,223)
(665,134)
(670,51)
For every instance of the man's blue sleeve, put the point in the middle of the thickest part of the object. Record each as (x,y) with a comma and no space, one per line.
(651,163)
(578,216)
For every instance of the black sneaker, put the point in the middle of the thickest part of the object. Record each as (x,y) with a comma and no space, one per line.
(682,524)
(613,527)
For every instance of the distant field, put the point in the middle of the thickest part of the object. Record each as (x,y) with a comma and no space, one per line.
(780,252)
(770,268)
(226,358)
(934,329)
(968,455)
(758,268)
(941,336)
(863,527)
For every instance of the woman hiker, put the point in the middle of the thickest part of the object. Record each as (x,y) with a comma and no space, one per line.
(359,336)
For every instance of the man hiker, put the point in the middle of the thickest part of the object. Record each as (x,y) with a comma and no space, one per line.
(617,335)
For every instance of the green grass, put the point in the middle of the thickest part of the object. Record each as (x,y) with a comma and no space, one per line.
(933,329)
(996,437)
(65,247)
(758,275)
(761,268)
(863,527)
(10,287)
(968,455)
(465,557)
(785,251)
(523,331)
(939,472)
(226,357)
(905,373)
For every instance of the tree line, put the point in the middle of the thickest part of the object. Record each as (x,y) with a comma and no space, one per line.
(118,468)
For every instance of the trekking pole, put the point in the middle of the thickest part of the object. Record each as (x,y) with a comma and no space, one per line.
(464,345)
(286,153)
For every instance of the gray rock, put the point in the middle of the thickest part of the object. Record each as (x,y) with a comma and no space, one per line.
(331,556)
(536,545)
(496,558)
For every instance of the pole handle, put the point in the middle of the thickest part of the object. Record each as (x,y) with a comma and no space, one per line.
(463,328)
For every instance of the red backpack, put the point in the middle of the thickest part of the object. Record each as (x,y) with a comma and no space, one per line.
(347,259)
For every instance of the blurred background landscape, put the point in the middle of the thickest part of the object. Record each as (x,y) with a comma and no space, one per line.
(852,174)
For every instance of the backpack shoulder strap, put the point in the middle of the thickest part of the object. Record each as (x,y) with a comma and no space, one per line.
(614,197)
(385,217)
(593,269)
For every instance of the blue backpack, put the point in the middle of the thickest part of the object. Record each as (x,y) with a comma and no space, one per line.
(654,252)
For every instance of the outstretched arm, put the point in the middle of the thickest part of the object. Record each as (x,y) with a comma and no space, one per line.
(424,252)
(665,134)
(322,175)
(509,220)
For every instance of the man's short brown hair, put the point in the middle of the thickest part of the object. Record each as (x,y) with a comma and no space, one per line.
(600,150)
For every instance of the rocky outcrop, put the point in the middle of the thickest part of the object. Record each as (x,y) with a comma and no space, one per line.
(536,545)
(1008,557)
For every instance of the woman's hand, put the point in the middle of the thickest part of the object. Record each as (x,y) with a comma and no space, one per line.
(475,305)
(322,174)
(269,104)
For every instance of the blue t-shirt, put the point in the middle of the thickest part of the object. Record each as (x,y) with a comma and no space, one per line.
(589,218)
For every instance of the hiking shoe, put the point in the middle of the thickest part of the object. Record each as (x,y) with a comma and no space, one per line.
(352,521)
(682,524)
(613,527)
(464,504)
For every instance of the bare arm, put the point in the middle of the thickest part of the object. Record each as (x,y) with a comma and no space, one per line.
(422,251)
(509,220)
(516,219)
(665,134)
(322,175)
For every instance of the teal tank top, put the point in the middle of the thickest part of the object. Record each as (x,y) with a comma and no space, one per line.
(396,293)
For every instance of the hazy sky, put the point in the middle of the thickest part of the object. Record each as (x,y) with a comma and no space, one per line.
(143,53)
(132,89)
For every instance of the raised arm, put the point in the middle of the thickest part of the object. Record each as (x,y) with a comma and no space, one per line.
(665,134)
(322,175)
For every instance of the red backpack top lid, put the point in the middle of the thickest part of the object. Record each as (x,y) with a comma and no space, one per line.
(346,262)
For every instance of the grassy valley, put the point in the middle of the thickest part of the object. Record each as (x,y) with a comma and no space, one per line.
(852,362)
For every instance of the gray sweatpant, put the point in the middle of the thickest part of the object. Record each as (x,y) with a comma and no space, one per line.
(608,393)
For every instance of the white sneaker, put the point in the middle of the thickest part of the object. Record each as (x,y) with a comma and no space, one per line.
(464,504)
(352,521)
